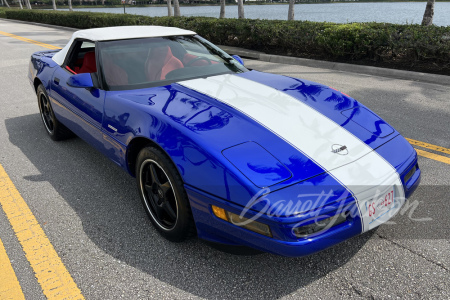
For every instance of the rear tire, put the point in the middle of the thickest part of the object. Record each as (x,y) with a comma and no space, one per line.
(54,128)
(162,193)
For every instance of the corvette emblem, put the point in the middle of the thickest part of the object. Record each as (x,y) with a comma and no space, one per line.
(339,149)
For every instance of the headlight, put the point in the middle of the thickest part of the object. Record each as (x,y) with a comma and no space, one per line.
(307,230)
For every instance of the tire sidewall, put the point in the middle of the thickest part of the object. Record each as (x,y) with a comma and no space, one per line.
(180,230)
(42,92)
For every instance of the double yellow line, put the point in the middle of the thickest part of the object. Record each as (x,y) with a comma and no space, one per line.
(30,41)
(431,155)
(53,277)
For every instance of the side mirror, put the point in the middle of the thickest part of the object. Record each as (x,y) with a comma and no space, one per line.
(238,58)
(83,80)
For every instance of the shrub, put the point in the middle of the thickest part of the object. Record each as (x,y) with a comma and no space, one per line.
(392,45)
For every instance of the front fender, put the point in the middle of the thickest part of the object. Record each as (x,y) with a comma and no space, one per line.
(41,67)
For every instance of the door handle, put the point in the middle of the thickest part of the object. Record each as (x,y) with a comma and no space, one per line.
(56,80)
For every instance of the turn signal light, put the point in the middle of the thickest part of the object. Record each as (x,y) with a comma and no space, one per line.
(241,221)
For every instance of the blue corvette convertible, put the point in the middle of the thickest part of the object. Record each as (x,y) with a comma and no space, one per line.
(232,155)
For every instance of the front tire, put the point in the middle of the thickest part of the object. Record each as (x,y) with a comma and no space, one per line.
(54,128)
(163,196)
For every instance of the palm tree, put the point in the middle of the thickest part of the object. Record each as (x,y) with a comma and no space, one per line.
(54,4)
(70,5)
(222,9)
(429,13)
(7,4)
(241,9)
(20,3)
(27,2)
(291,10)
(176,8)
(169,8)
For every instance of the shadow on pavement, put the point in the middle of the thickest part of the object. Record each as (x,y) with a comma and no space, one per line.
(106,201)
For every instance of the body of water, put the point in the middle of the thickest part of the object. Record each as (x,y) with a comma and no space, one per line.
(388,12)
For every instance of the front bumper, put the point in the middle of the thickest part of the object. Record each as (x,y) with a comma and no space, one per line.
(284,242)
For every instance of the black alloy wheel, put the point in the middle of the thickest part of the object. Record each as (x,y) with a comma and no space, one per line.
(158,193)
(46,114)
(162,193)
(54,128)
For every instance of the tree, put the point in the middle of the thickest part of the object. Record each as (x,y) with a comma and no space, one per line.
(28,4)
(429,13)
(70,5)
(241,9)
(54,4)
(7,4)
(291,10)
(169,8)
(222,9)
(20,3)
(176,8)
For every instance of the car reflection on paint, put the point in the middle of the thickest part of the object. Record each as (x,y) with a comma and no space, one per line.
(232,155)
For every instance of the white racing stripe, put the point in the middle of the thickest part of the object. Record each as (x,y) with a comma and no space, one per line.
(362,170)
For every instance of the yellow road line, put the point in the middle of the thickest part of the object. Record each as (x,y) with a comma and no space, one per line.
(444,159)
(428,146)
(9,285)
(52,275)
(29,40)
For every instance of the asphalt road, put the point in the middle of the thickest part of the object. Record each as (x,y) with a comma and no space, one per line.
(91,213)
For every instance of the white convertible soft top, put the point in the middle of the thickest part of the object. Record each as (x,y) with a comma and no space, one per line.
(119,33)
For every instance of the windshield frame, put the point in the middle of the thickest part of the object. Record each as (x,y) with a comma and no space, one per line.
(230,63)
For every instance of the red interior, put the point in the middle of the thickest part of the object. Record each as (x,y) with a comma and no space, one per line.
(89,64)
(161,62)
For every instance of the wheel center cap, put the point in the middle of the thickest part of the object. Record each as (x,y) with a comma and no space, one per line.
(160,193)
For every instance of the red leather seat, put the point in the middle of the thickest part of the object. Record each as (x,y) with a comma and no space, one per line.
(114,74)
(160,62)
(89,63)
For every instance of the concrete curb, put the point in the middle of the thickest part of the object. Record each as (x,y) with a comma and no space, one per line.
(369,70)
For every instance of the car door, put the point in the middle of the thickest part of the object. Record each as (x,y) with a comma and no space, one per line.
(81,109)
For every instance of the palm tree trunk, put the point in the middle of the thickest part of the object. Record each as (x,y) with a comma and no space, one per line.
(27,2)
(169,8)
(176,8)
(103,2)
(429,13)
(70,5)
(7,4)
(241,9)
(20,3)
(81,2)
(291,10)
(222,9)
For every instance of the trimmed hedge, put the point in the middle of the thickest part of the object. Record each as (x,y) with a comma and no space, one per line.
(412,47)
(2,13)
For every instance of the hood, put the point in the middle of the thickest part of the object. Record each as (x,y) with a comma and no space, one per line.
(234,135)
(314,130)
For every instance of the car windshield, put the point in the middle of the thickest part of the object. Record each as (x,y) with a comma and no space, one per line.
(149,62)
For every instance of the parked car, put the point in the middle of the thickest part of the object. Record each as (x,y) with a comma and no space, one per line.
(232,155)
